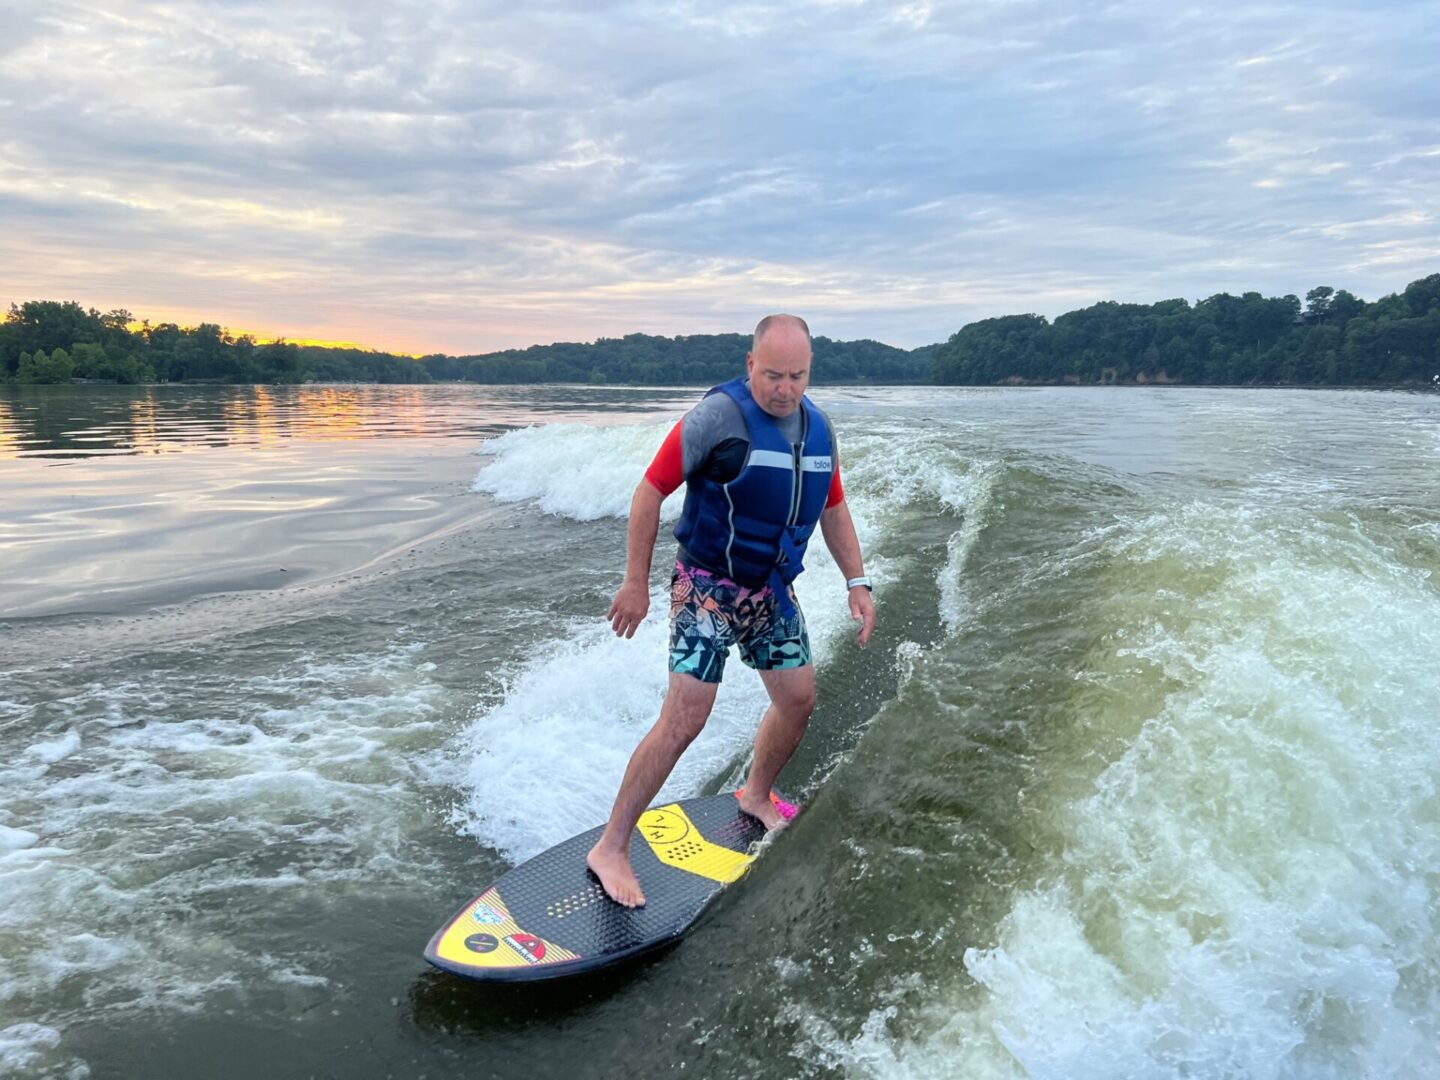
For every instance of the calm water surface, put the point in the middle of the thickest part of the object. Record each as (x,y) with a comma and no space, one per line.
(1137,778)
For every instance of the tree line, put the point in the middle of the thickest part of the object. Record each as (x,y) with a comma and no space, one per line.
(46,341)
(49,341)
(646,360)
(1334,339)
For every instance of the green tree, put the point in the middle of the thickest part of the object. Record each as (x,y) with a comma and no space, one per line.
(91,361)
(1344,306)
(1317,302)
(992,350)
(279,361)
(1423,297)
(44,325)
(55,368)
(162,343)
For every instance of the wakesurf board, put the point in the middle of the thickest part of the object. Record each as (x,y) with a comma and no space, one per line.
(549,917)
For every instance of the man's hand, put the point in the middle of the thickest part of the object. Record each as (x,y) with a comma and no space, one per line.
(839,532)
(628,609)
(862,610)
(633,600)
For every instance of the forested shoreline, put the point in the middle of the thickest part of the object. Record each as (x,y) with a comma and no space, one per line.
(1333,339)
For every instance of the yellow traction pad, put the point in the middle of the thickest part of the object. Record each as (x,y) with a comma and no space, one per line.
(677,841)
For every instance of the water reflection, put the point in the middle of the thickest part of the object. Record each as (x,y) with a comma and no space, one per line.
(69,422)
(10,444)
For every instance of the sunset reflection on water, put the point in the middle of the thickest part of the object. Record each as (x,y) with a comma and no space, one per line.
(71,422)
(10,444)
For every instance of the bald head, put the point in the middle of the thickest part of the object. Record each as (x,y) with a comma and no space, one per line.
(779,364)
(790,325)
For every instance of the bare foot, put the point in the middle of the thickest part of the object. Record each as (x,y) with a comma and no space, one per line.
(616,875)
(763,809)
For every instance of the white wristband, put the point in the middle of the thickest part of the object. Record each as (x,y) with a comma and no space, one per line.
(854,581)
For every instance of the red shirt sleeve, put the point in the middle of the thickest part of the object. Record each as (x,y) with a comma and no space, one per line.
(667,471)
(837,489)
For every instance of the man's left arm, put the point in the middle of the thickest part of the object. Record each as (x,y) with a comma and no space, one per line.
(838,529)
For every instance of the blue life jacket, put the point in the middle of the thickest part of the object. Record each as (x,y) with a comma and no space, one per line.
(754,529)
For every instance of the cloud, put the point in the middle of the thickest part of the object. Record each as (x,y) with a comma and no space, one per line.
(465,176)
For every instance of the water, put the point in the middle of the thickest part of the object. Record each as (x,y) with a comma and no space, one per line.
(1136,778)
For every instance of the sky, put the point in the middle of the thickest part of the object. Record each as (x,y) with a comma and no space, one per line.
(461,177)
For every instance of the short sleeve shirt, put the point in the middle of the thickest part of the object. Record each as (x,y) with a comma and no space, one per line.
(711,440)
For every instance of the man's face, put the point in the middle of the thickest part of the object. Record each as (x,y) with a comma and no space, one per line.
(780,370)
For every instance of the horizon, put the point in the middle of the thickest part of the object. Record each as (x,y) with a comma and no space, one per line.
(262,339)
(426,182)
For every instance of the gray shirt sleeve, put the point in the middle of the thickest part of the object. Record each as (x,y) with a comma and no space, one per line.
(718,418)
(706,426)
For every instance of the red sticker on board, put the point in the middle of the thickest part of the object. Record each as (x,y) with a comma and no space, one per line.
(527,945)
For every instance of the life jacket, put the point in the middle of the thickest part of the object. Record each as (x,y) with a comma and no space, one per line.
(754,529)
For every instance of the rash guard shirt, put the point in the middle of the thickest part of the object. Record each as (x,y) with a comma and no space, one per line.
(711,440)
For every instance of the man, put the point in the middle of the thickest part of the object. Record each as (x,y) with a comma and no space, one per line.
(760,467)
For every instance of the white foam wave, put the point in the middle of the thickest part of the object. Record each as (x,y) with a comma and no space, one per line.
(574,470)
(546,762)
(123,814)
(50,751)
(906,467)
(30,1047)
(950,578)
(1250,890)
(16,839)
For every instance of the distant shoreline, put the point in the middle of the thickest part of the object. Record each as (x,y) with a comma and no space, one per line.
(1004,384)
(1331,339)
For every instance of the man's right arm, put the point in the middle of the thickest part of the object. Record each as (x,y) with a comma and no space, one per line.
(665,474)
(688,448)
(633,600)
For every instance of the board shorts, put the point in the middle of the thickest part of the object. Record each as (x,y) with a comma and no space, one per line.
(709,613)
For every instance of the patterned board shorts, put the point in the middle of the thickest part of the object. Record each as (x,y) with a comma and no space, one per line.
(709,613)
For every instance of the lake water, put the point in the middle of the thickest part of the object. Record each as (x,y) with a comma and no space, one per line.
(1136,779)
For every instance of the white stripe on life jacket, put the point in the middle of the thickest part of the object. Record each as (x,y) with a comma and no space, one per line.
(771,459)
(777,459)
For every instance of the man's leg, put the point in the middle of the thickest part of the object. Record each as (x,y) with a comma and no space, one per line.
(792,700)
(687,707)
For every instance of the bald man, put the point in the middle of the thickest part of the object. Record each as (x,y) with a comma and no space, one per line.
(761,471)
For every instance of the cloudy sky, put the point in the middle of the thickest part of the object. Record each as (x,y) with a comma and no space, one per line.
(465,176)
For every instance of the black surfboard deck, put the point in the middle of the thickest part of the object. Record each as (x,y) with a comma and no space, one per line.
(549,917)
